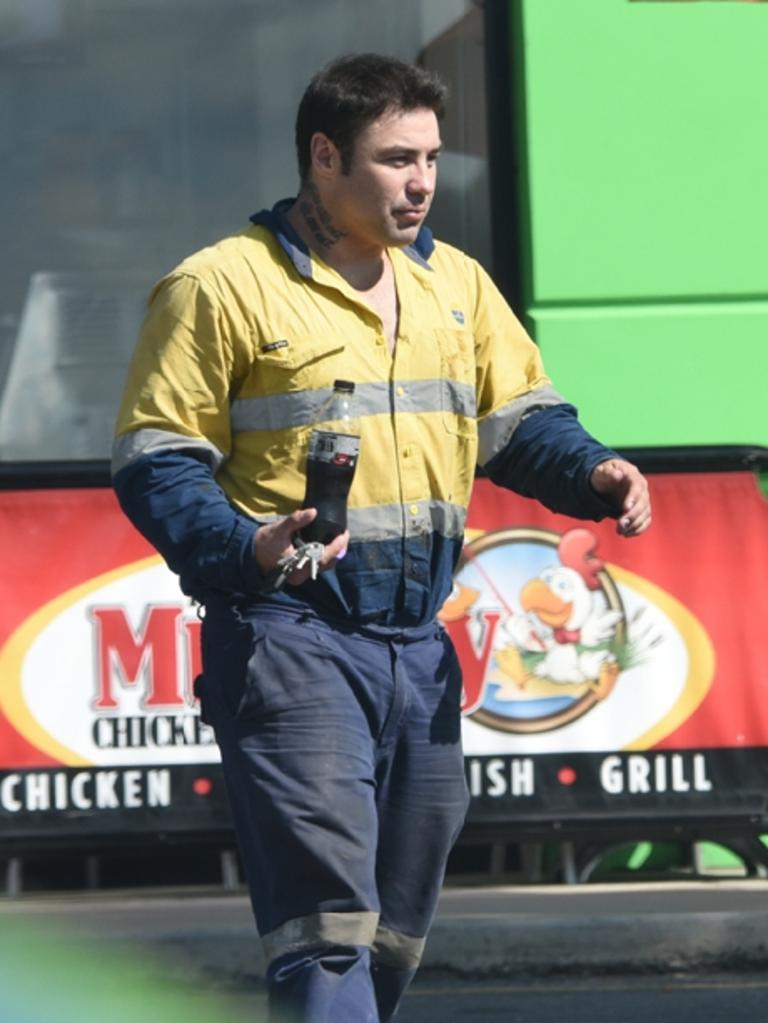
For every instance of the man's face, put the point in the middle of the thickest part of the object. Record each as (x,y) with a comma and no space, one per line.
(386,195)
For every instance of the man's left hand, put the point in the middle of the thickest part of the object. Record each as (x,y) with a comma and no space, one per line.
(624,486)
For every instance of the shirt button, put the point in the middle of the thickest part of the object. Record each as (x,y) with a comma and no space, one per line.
(400,392)
(379,341)
(407,451)
(414,509)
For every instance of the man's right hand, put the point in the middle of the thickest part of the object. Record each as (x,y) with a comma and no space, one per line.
(275,541)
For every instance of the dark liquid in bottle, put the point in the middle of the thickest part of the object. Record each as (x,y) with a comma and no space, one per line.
(331,464)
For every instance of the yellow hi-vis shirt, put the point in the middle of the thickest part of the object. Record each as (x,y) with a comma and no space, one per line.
(241,347)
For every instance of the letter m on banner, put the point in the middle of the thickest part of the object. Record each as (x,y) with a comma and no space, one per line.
(148,656)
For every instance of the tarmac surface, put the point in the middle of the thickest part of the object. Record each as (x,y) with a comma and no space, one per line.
(502,932)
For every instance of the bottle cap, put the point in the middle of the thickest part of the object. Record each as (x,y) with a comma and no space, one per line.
(344,385)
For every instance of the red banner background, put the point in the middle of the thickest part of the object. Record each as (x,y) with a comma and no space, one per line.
(708,547)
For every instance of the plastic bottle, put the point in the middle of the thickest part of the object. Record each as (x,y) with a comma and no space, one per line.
(331,463)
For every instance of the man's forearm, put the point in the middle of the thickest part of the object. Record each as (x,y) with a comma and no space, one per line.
(550,457)
(174,501)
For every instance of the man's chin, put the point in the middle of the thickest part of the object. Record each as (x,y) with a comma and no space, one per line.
(402,236)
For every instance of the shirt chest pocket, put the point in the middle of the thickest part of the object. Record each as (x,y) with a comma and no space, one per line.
(458,395)
(284,367)
(285,379)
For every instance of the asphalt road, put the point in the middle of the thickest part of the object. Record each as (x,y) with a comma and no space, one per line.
(510,933)
(596,1000)
(666,953)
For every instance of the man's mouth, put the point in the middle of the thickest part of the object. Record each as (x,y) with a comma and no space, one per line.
(410,213)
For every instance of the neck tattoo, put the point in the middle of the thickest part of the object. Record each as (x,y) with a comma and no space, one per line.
(318,219)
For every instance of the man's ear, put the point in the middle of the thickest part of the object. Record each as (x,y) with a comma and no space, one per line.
(324,157)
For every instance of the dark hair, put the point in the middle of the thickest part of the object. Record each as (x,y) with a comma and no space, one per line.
(352,91)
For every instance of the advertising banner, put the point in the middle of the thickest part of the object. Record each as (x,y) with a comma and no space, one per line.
(613,679)
(99,728)
(604,679)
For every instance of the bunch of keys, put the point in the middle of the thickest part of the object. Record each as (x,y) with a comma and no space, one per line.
(305,553)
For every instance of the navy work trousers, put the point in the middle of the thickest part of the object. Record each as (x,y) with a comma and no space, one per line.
(342,757)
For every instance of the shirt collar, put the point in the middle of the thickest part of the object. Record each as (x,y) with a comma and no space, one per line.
(277,222)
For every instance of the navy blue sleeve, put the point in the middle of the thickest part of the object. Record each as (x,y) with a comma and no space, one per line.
(550,457)
(173,500)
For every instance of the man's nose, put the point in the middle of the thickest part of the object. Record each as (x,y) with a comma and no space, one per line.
(422,181)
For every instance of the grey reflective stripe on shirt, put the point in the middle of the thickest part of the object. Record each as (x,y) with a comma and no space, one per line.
(460,398)
(495,431)
(130,446)
(302,408)
(393,521)
(321,929)
(393,948)
(417,396)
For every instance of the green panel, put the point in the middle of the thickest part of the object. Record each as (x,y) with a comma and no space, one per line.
(647,155)
(662,374)
(713,856)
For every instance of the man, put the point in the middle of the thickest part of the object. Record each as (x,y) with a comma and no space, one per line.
(336,700)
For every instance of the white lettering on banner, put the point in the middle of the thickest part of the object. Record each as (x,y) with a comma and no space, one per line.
(85,790)
(106,794)
(500,777)
(611,777)
(159,788)
(9,799)
(521,777)
(679,781)
(79,798)
(638,770)
(60,791)
(37,791)
(132,780)
(663,772)
(701,782)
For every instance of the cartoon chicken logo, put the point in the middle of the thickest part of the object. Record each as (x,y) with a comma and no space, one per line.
(566,621)
(541,627)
